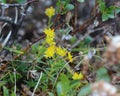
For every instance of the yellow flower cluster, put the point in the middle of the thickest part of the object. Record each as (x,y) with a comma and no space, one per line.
(77,76)
(52,49)
(50,12)
(49,32)
(60,51)
(50,36)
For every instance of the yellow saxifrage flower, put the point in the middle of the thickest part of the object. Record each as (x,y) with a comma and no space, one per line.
(70,57)
(50,51)
(77,76)
(49,40)
(60,51)
(49,32)
(50,12)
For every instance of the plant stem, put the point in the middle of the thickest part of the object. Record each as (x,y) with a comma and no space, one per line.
(37,84)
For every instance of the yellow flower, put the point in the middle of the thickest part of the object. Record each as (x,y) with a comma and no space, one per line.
(60,51)
(50,12)
(49,40)
(77,76)
(50,51)
(70,57)
(49,32)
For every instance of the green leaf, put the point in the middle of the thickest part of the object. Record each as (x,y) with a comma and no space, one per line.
(5,91)
(75,84)
(14,50)
(2,83)
(60,89)
(81,0)
(21,1)
(88,40)
(102,5)
(69,7)
(111,15)
(3,1)
(13,94)
(117,10)
(105,17)
(110,12)
(38,49)
(11,77)
(84,91)
(50,94)
(31,83)
(102,74)
(65,82)
(63,86)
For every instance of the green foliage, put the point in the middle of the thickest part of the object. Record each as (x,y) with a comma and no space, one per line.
(5,91)
(51,94)
(67,87)
(21,1)
(60,89)
(2,83)
(13,94)
(57,71)
(102,74)
(18,1)
(75,84)
(31,83)
(102,5)
(85,91)
(69,7)
(64,6)
(63,86)
(38,50)
(21,67)
(14,50)
(81,0)
(3,1)
(108,12)
(88,40)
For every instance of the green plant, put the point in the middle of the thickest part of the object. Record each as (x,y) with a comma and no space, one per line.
(107,12)
(48,66)
(64,6)
(18,1)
